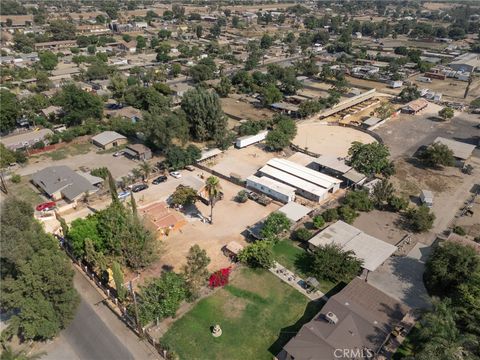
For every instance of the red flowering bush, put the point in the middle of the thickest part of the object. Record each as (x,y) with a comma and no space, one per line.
(219,278)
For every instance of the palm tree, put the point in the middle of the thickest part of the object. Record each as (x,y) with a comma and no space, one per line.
(9,354)
(213,188)
(382,192)
(146,169)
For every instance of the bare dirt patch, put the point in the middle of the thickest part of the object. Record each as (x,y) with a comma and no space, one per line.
(233,306)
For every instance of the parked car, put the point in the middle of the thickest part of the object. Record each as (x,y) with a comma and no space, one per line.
(252,196)
(123,195)
(46,206)
(159,180)
(139,187)
(190,168)
(176,174)
(118,153)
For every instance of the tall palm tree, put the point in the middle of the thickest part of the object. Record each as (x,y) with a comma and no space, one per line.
(213,188)
(146,169)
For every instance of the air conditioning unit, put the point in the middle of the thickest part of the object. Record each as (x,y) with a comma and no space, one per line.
(331,317)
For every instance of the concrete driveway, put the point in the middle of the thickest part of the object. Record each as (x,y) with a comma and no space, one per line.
(402,277)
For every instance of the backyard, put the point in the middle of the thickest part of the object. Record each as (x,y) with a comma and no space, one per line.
(257,312)
(297,260)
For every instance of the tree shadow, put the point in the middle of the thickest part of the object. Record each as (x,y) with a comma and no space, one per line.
(304,262)
(289,332)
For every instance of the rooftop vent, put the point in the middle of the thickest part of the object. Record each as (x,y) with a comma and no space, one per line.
(331,317)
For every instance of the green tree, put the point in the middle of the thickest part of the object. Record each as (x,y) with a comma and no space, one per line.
(330,215)
(81,229)
(270,95)
(195,270)
(385,110)
(37,278)
(274,224)
(161,297)
(266,41)
(204,114)
(61,30)
(419,219)
(178,158)
(347,214)
(409,93)
(440,338)
(358,200)
(382,193)
(141,42)
(446,113)
(258,254)
(213,189)
(184,195)
(302,234)
(48,60)
(119,281)
(146,169)
(369,158)
(438,154)
(318,222)
(223,88)
(449,266)
(331,263)
(283,133)
(310,107)
(9,110)
(9,354)
(79,105)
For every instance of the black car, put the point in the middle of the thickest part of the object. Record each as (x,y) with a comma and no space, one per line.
(159,180)
(139,187)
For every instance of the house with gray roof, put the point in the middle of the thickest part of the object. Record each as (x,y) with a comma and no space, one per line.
(360,319)
(61,182)
(109,139)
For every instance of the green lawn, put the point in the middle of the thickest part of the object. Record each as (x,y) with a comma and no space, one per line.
(257,312)
(295,259)
(24,190)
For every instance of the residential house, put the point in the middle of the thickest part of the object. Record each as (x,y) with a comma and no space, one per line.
(159,217)
(415,106)
(61,182)
(359,322)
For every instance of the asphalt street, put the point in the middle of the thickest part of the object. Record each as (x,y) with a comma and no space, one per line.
(96,333)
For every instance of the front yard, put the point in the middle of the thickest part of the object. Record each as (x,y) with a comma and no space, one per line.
(257,312)
(297,260)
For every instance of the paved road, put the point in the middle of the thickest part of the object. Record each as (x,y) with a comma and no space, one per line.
(88,338)
(96,333)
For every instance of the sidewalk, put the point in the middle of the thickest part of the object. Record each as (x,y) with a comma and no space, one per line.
(294,281)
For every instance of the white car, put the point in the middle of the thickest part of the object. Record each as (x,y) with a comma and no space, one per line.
(176,174)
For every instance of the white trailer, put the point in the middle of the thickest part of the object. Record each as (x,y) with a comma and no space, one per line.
(424,79)
(251,139)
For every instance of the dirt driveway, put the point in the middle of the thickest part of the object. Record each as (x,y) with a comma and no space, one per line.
(406,133)
(230,220)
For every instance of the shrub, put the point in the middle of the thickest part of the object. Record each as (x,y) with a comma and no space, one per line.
(302,234)
(39,145)
(420,219)
(459,230)
(318,222)
(330,215)
(359,200)
(219,278)
(15,178)
(397,203)
(347,214)
(242,196)
(100,172)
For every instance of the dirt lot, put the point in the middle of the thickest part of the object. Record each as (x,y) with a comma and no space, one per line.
(406,133)
(243,162)
(330,140)
(241,110)
(471,223)
(380,224)
(452,89)
(230,220)
(88,159)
